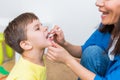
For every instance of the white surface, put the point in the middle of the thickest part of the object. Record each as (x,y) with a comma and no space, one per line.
(17,56)
(77,18)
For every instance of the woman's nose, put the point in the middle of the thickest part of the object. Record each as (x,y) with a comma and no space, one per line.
(100,3)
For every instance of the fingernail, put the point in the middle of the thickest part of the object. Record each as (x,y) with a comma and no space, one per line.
(59,29)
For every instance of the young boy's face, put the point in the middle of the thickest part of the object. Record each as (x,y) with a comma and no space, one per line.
(37,35)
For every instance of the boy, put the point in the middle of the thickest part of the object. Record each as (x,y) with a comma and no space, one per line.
(26,35)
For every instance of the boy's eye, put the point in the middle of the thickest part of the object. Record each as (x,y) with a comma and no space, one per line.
(37,28)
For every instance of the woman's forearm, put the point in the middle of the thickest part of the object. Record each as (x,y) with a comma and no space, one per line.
(74,50)
(79,70)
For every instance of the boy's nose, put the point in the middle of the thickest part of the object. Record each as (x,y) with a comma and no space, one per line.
(45,28)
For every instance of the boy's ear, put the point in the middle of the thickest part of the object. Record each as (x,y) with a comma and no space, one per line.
(26,45)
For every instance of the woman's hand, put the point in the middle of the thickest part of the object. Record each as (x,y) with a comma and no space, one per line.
(58,36)
(57,53)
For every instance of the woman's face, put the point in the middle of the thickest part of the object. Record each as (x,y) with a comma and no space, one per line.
(110,10)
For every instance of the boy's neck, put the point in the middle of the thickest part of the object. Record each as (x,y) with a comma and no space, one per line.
(34,57)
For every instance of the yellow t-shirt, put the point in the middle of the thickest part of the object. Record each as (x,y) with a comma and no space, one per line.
(26,70)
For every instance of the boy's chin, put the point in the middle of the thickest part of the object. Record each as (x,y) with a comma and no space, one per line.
(49,44)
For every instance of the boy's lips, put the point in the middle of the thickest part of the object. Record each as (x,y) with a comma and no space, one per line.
(50,36)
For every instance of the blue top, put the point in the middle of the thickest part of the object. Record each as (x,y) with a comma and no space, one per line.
(113,72)
(98,38)
(103,40)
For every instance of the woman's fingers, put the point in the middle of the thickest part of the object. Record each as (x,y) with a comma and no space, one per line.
(50,57)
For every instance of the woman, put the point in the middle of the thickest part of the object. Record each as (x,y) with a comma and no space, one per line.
(105,40)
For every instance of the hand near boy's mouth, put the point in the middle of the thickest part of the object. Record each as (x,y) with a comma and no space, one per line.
(52,34)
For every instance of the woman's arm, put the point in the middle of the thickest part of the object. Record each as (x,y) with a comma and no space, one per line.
(74,50)
(59,54)
(79,70)
(59,38)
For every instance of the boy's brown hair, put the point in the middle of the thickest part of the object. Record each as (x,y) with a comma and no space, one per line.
(15,32)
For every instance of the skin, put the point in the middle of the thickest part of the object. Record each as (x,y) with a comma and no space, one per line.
(36,42)
(110,10)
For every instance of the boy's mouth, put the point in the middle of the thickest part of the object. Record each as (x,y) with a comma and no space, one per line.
(50,36)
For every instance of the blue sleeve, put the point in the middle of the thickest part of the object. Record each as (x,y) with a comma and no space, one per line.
(113,72)
(98,38)
(90,41)
(115,75)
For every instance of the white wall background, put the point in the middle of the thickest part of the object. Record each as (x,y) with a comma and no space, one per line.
(77,18)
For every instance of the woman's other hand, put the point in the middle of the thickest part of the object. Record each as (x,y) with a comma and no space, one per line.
(56,53)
